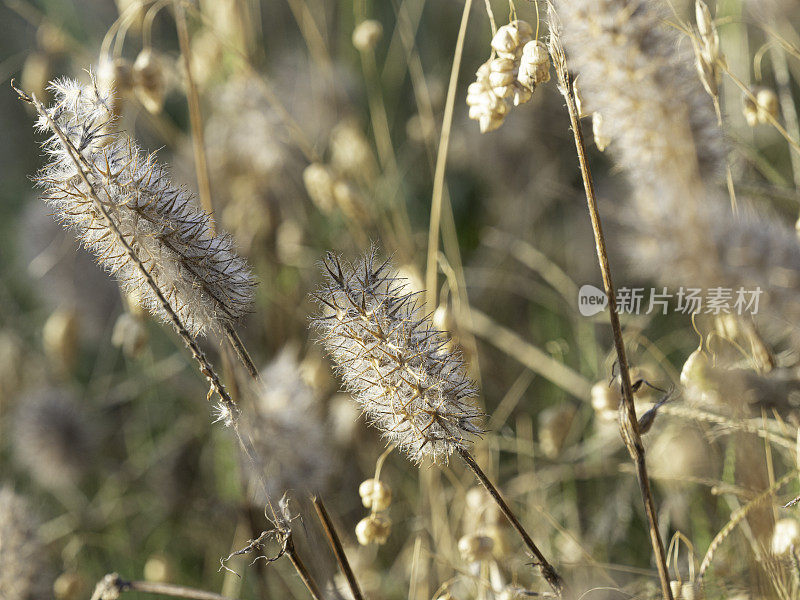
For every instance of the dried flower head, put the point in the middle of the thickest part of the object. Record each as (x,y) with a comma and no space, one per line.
(23,570)
(206,284)
(393,360)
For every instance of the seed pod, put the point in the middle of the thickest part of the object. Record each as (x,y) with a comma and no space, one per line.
(115,77)
(319,180)
(554,425)
(768,106)
(474,548)
(374,529)
(50,39)
(350,151)
(350,201)
(149,81)
(749,110)
(36,73)
(601,139)
(785,536)
(510,38)
(485,106)
(60,337)
(367,34)
(576,91)
(130,334)
(534,66)
(696,371)
(375,494)
(69,586)
(605,400)
(158,568)
(502,74)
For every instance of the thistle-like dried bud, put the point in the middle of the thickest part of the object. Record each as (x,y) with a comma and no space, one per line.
(206,284)
(374,529)
(375,494)
(367,34)
(393,360)
(148,77)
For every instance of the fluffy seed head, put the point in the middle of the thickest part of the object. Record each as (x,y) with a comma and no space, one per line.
(393,361)
(206,283)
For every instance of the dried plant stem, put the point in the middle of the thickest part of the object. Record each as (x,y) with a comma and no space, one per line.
(195,118)
(300,567)
(547,570)
(241,352)
(441,163)
(206,368)
(338,550)
(629,427)
(111,586)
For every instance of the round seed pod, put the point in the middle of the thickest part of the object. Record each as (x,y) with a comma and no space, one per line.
(534,66)
(510,38)
(605,400)
(554,425)
(116,76)
(60,337)
(474,547)
(158,568)
(318,180)
(50,39)
(350,201)
(130,334)
(785,536)
(149,81)
(696,372)
(374,529)
(367,34)
(375,494)
(35,74)
(768,106)
(502,74)
(749,110)
(69,586)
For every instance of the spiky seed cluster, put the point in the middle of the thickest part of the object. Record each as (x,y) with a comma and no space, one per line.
(393,360)
(205,282)
(23,570)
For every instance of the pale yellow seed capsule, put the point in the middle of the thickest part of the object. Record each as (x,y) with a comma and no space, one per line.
(60,337)
(367,34)
(350,201)
(534,65)
(149,81)
(375,494)
(115,76)
(68,586)
(318,181)
(785,536)
(443,318)
(696,371)
(579,106)
(350,151)
(158,568)
(601,139)
(703,16)
(374,529)
(750,111)
(605,400)
(474,547)
(36,74)
(130,334)
(50,39)
(676,587)
(767,101)
(554,425)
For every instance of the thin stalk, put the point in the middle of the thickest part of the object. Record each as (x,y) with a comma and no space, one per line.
(629,426)
(547,570)
(241,352)
(195,118)
(300,567)
(206,368)
(441,163)
(111,586)
(338,550)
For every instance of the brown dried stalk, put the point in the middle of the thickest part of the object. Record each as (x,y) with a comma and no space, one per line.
(338,550)
(111,586)
(628,422)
